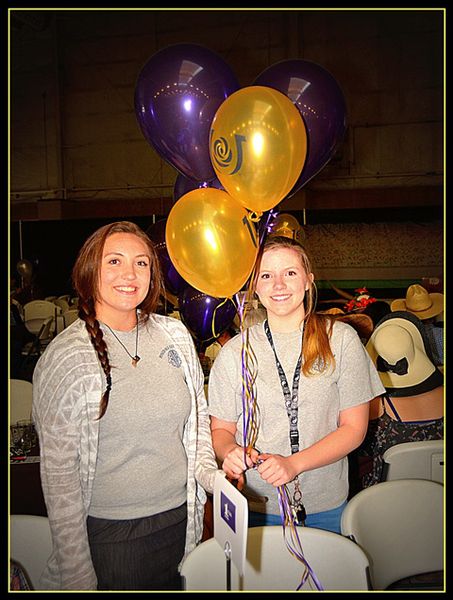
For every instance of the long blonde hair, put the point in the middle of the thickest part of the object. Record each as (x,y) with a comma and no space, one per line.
(316,351)
(85,280)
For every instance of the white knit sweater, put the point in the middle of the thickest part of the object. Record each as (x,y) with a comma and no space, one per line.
(68,383)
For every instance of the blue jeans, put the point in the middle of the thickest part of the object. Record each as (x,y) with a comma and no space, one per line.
(328,519)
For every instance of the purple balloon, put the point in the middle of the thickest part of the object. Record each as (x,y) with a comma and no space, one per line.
(173,281)
(206,317)
(320,101)
(177,94)
(183,185)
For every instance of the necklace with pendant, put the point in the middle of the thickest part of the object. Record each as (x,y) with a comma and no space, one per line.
(135,358)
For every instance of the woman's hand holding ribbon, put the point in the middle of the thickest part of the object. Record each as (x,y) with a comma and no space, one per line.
(237,460)
(277,469)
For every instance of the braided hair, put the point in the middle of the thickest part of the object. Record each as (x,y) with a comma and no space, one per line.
(85,280)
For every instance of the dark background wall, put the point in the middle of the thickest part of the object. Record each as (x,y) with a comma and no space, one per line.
(79,159)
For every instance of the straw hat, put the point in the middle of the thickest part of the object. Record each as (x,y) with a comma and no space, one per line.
(361,322)
(419,302)
(399,349)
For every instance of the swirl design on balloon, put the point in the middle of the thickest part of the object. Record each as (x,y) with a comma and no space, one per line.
(223,154)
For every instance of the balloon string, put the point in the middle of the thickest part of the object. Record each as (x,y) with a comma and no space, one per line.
(248,385)
(214,334)
(265,230)
(292,539)
(248,362)
(249,372)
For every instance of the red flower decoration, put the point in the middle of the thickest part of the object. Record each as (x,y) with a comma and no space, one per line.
(360,301)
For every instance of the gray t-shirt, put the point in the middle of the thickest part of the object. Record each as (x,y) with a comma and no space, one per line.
(321,399)
(142,464)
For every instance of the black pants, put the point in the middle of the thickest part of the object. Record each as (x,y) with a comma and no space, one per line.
(138,554)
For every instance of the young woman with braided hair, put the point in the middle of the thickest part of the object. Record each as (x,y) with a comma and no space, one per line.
(119,406)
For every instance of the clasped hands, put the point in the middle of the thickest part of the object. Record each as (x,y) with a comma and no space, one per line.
(273,468)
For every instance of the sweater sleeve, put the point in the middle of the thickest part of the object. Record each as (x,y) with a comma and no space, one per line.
(205,464)
(59,401)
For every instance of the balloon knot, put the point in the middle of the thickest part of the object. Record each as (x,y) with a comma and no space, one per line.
(255,216)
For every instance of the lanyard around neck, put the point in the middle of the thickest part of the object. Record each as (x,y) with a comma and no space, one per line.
(291,397)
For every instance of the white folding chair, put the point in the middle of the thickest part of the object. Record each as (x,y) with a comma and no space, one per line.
(399,524)
(42,338)
(62,303)
(337,562)
(35,313)
(70,315)
(19,307)
(20,399)
(415,460)
(30,545)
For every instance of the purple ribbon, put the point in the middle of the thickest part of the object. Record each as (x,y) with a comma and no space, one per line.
(286,514)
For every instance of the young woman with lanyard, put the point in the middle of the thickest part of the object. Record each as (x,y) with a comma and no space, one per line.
(308,422)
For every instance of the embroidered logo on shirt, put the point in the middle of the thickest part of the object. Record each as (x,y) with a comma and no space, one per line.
(172,356)
(174,359)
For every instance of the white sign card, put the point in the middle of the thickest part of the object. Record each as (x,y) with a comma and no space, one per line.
(230,520)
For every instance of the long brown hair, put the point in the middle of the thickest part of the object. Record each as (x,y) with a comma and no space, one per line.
(316,352)
(85,280)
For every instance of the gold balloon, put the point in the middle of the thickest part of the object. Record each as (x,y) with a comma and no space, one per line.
(258,146)
(288,226)
(211,241)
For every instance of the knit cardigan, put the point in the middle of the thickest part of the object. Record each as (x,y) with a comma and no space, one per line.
(68,383)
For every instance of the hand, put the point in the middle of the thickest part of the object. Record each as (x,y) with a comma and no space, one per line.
(276,469)
(234,465)
(239,483)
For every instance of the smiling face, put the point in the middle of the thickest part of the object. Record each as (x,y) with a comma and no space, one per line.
(124,280)
(281,286)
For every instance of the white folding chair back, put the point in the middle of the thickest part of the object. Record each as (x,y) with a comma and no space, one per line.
(71,315)
(42,338)
(62,303)
(399,524)
(35,313)
(20,400)
(19,306)
(337,562)
(30,545)
(415,460)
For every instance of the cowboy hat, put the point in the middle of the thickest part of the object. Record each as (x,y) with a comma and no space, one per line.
(419,302)
(399,349)
(361,322)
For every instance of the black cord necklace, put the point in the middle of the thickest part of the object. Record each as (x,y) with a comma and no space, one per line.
(135,358)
